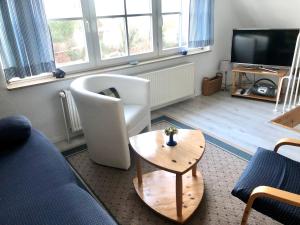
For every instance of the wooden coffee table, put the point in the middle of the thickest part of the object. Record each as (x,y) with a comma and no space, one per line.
(177,189)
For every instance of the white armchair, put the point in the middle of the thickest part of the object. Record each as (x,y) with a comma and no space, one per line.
(108,122)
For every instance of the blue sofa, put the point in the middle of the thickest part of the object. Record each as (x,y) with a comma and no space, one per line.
(37,186)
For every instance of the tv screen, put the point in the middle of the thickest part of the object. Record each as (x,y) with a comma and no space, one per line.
(264,47)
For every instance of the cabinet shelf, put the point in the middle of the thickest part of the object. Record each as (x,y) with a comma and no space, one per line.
(258,97)
(236,72)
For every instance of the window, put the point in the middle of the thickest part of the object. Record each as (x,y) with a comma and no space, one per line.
(67,31)
(90,34)
(99,33)
(124,27)
(175,23)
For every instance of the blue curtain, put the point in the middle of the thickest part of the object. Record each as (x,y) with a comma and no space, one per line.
(25,41)
(201,28)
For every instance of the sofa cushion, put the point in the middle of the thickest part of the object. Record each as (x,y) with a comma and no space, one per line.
(39,187)
(267,168)
(36,167)
(64,205)
(14,130)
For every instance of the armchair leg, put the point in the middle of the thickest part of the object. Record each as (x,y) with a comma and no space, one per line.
(255,193)
(246,213)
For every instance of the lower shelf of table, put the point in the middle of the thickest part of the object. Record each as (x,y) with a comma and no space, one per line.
(251,96)
(158,191)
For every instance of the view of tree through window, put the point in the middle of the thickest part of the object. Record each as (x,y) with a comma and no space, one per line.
(140,34)
(124,30)
(67,43)
(175,23)
(112,38)
(67,31)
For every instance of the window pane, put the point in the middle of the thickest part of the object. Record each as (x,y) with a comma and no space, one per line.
(140,34)
(138,6)
(170,6)
(109,8)
(56,9)
(185,20)
(112,37)
(69,42)
(171,31)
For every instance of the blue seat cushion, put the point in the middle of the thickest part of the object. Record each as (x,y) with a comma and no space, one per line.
(267,168)
(14,130)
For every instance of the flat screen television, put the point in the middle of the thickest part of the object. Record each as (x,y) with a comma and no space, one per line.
(264,47)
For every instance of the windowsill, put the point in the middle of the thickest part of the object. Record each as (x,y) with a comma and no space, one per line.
(50,79)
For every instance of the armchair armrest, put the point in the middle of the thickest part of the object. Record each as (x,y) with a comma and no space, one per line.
(132,89)
(286,141)
(273,193)
(135,90)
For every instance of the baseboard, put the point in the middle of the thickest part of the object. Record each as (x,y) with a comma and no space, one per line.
(64,145)
(173,102)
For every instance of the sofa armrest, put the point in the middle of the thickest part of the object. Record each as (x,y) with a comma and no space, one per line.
(273,193)
(286,141)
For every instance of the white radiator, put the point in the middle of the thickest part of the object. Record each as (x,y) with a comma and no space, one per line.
(71,116)
(171,84)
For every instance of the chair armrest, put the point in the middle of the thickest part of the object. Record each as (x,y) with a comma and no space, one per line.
(273,193)
(132,89)
(287,141)
(135,90)
(277,194)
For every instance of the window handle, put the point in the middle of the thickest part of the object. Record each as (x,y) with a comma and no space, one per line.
(87,26)
(161,21)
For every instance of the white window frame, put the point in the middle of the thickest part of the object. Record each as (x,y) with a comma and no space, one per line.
(89,43)
(175,50)
(92,40)
(129,58)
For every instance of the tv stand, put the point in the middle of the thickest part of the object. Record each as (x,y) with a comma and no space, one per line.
(241,90)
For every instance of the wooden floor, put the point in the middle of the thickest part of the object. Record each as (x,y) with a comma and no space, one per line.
(241,122)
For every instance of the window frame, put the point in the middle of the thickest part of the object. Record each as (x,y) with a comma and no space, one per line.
(89,19)
(89,43)
(175,50)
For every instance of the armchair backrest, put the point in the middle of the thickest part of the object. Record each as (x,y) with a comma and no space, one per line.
(100,115)
(133,90)
(98,110)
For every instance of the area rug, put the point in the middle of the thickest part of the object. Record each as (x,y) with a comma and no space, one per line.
(221,167)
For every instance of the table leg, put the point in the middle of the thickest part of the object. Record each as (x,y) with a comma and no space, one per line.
(233,83)
(139,169)
(179,194)
(225,81)
(194,170)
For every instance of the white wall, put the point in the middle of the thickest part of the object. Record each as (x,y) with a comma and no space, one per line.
(267,13)
(41,103)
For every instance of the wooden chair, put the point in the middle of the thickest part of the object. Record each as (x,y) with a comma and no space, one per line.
(271,185)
